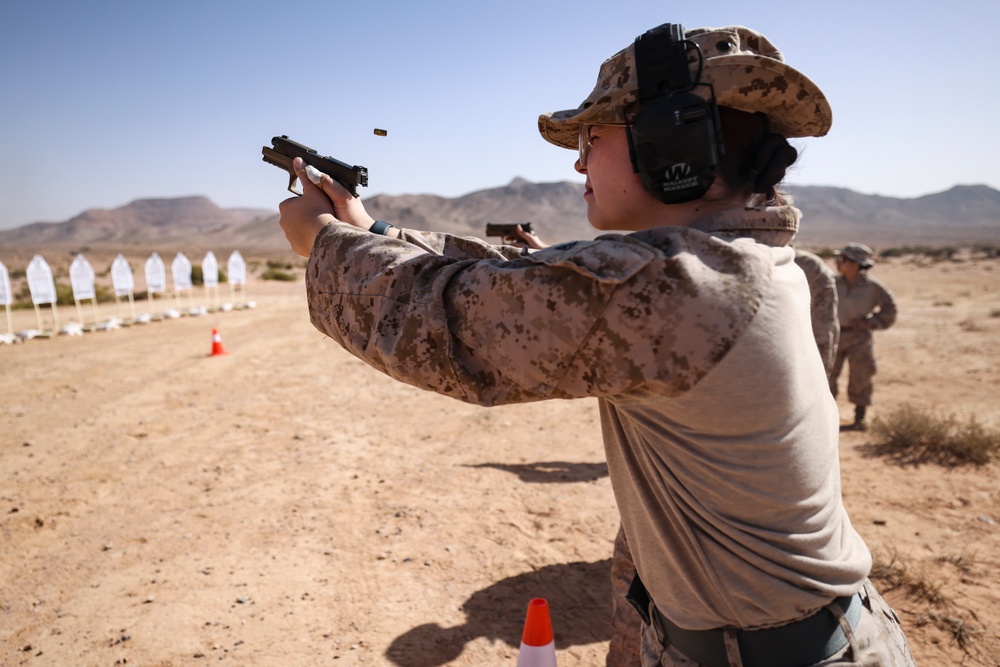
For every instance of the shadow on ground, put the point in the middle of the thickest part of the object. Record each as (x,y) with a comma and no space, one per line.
(579,602)
(551,472)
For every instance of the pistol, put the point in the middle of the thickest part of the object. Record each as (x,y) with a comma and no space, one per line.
(506,229)
(283,150)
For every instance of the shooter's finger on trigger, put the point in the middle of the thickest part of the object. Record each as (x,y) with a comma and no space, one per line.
(305,171)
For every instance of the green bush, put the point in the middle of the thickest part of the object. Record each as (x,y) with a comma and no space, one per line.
(986,250)
(935,253)
(826,253)
(275,274)
(198,276)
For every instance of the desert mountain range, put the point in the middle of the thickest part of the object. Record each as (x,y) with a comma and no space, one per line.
(963,215)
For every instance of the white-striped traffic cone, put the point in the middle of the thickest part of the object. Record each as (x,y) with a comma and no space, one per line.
(217,349)
(538,647)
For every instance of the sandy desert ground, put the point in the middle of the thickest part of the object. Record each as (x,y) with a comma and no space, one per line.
(286,505)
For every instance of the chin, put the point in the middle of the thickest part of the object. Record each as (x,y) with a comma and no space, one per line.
(597,221)
(607,226)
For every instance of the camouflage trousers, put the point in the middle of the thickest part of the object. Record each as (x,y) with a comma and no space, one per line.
(626,626)
(857,349)
(878,641)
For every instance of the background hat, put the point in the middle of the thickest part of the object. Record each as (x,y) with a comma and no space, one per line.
(747,71)
(858,252)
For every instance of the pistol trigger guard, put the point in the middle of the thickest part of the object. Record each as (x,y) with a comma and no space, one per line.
(291,185)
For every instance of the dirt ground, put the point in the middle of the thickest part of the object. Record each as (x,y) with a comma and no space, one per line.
(284,504)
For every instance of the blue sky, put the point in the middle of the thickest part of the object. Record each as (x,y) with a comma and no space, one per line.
(102,103)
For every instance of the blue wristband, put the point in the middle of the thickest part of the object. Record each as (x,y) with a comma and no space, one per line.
(380,227)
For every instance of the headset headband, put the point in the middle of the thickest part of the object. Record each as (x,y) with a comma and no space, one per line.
(661,62)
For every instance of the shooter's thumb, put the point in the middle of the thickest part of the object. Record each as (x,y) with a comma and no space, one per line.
(322,181)
(307,172)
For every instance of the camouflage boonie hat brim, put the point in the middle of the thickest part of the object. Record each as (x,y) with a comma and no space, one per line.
(747,71)
(859,253)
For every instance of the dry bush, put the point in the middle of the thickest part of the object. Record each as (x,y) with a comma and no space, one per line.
(935,607)
(893,574)
(910,435)
(937,254)
(964,562)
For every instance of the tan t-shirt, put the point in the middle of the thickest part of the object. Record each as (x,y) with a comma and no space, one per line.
(720,434)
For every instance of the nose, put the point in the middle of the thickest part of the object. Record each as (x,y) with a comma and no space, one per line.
(580,169)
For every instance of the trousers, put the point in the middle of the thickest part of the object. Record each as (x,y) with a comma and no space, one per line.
(878,641)
(857,349)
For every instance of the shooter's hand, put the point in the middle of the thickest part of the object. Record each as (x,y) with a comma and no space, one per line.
(323,201)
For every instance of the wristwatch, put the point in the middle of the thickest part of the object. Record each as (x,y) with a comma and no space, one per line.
(380,227)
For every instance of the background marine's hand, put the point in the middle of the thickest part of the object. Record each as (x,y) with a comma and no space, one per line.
(525,240)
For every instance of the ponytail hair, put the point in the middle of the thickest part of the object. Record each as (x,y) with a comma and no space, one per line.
(756,160)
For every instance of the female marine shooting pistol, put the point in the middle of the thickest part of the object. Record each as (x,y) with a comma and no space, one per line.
(283,150)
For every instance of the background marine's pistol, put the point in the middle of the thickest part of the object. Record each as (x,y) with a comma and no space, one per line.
(283,150)
(503,229)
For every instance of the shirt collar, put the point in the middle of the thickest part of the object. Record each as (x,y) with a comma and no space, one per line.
(773,225)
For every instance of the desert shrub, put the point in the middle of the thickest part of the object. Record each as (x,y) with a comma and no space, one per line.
(910,435)
(277,274)
(64,295)
(986,250)
(933,606)
(932,252)
(970,324)
(285,266)
(893,573)
(964,562)
(198,275)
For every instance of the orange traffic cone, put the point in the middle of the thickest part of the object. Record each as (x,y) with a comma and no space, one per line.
(217,349)
(538,647)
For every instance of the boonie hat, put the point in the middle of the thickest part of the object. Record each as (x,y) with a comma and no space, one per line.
(858,252)
(747,71)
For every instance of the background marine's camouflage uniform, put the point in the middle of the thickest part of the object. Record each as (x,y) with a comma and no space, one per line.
(863,308)
(823,306)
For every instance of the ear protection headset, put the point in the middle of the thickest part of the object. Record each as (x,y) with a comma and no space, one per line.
(675,139)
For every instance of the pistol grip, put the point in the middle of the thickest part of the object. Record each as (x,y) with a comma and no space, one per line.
(293,180)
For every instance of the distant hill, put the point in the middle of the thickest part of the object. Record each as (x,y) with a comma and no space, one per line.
(141,222)
(832,216)
(964,214)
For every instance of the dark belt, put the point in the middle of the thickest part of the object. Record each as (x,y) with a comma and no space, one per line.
(803,642)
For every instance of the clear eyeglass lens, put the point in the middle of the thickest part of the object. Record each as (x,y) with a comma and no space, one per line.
(585,144)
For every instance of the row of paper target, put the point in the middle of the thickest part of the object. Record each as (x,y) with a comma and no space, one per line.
(41,286)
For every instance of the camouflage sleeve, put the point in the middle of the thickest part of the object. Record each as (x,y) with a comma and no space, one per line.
(886,315)
(823,304)
(458,247)
(583,319)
